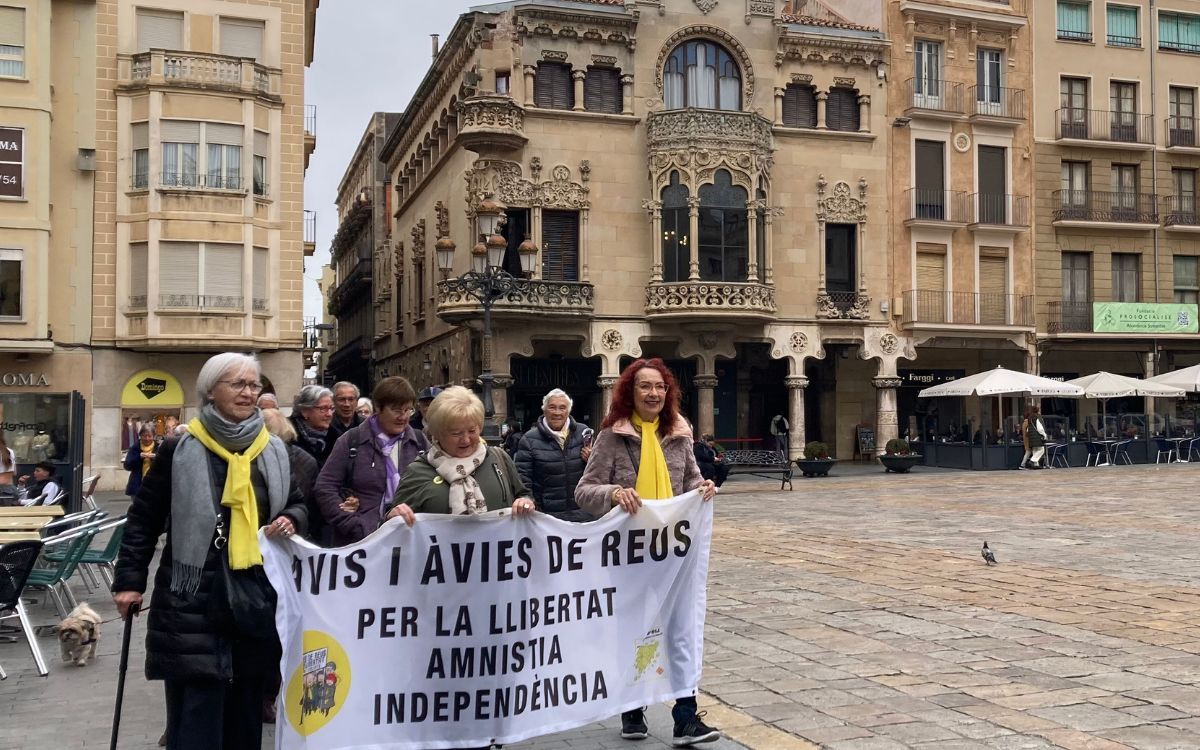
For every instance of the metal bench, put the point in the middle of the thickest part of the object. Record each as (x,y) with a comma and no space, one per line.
(760,463)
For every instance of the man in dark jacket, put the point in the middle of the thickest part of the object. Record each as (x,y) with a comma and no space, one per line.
(712,466)
(551,457)
(424,399)
(345,410)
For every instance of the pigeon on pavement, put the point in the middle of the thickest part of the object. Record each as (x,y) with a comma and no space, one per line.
(988,557)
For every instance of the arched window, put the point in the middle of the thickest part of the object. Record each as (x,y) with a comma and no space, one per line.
(724,239)
(675,228)
(702,74)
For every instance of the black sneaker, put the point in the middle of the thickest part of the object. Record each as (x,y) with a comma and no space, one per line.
(693,731)
(633,725)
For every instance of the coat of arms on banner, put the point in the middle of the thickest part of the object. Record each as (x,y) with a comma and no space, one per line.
(319,686)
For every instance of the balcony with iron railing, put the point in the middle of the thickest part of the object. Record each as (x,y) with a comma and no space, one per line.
(523,300)
(934,98)
(199,70)
(998,211)
(923,206)
(1103,208)
(1118,40)
(1180,214)
(310,131)
(200,302)
(998,104)
(1069,317)
(310,233)
(196,181)
(1181,133)
(938,308)
(1101,127)
(843,306)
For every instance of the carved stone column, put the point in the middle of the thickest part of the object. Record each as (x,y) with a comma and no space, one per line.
(693,238)
(578,76)
(655,210)
(752,209)
(627,95)
(886,425)
(822,97)
(606,383)
(501,382)
(864,114)
(779,92)
(795,386)
(530,72)
(705,384)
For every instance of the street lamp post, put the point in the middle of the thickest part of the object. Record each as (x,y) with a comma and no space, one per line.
(487,281)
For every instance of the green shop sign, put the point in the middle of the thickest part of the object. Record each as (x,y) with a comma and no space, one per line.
(1143,317)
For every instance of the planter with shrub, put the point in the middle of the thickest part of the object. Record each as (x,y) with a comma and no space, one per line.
(816,461)
(898,458)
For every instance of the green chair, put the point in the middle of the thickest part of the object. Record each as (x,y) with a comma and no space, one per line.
(104,559)
(54,578)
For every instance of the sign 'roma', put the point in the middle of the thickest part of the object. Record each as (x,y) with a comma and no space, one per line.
(470,631)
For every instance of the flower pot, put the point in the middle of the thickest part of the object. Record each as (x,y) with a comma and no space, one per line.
(900,463)
(815,467)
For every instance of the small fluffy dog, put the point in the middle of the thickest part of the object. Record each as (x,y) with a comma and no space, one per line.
(78,635)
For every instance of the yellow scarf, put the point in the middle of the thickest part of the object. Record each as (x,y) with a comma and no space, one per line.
(147,448)
(238,496)
(653,479)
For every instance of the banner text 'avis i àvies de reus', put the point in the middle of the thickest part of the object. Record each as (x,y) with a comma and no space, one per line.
(470,631)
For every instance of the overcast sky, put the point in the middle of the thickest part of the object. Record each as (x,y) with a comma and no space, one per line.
(370,55)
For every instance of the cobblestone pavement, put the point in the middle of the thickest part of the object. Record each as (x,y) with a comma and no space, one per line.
(856,613)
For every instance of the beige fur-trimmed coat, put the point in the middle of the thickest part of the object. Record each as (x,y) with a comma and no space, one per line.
(612,464)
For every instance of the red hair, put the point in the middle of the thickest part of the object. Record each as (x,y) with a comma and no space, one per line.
(622,399)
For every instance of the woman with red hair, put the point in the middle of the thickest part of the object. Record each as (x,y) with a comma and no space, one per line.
(644,452)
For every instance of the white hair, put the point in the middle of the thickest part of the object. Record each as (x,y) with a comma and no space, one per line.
(309,395)
(220,365)
(557,392)
(345,384)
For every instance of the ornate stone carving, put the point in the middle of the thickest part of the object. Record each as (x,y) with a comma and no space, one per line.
(804,78)
(798,342)
(530,297)
(443,219)
(887,383)
(558,23)
(700,296)
(888,343)
(765,8)
(491,121)
(705,381)
(708,340)
(418,242)
(608,60)
(398,260)
(804,47)
(708,32)
(554,55)
(503,180)
(843,306)
(705,5)
(698,142)
(793,382)
(841,207)
(847,83)
(535,168)
(612,340)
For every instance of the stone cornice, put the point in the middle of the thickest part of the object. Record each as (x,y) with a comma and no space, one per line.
(560,23)
(830,49)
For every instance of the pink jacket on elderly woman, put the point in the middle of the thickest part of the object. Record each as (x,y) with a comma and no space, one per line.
(615,456)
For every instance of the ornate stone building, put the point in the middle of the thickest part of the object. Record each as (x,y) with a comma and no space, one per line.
(702,181)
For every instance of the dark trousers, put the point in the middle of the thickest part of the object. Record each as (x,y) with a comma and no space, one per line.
(717,471)
(217,715)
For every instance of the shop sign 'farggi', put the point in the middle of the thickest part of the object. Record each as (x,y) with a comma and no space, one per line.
(12,162)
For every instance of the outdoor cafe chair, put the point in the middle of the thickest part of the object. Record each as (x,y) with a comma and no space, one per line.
(1164,446)
(53,578)
(1057,453)
(1095,451)
(1193,448)
(1121,451)
(16,561)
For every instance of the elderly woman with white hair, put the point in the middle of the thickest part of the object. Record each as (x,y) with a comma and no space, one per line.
(552,455)
(459,474)
(312,417)
(211,632)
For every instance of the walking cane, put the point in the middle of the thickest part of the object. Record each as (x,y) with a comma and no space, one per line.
(116,725)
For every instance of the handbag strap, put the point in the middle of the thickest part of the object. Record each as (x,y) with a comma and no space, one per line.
(635,457)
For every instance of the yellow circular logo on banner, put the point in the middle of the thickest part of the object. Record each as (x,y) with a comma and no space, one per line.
(318,687)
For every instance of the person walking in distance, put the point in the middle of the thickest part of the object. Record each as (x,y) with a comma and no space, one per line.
(644,453)
(779,430)
(1034,433)
(551,456)
(345,410)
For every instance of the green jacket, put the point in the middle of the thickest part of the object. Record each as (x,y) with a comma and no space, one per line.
(426,492)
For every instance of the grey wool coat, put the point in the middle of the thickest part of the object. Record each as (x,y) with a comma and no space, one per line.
(613,464)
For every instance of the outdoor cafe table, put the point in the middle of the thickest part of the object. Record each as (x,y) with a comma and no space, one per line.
(27,520)
(1179,441)
(1107,444)
(18,536)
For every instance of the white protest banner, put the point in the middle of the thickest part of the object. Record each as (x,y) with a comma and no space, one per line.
(469,631)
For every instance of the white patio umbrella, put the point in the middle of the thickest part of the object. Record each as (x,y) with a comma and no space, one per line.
(1002,382)
(1105,385)
(1188,378)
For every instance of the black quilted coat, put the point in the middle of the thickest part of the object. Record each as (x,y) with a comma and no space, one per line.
(181,641)
(553,472)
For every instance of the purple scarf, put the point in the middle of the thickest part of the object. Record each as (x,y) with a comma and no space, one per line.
(387,443)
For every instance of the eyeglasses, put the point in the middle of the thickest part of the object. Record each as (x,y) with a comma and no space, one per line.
(241,385)
(652,387)
(326,409)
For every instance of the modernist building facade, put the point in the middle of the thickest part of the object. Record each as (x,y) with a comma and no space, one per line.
(173,153)
(1116,159)
(703,182)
